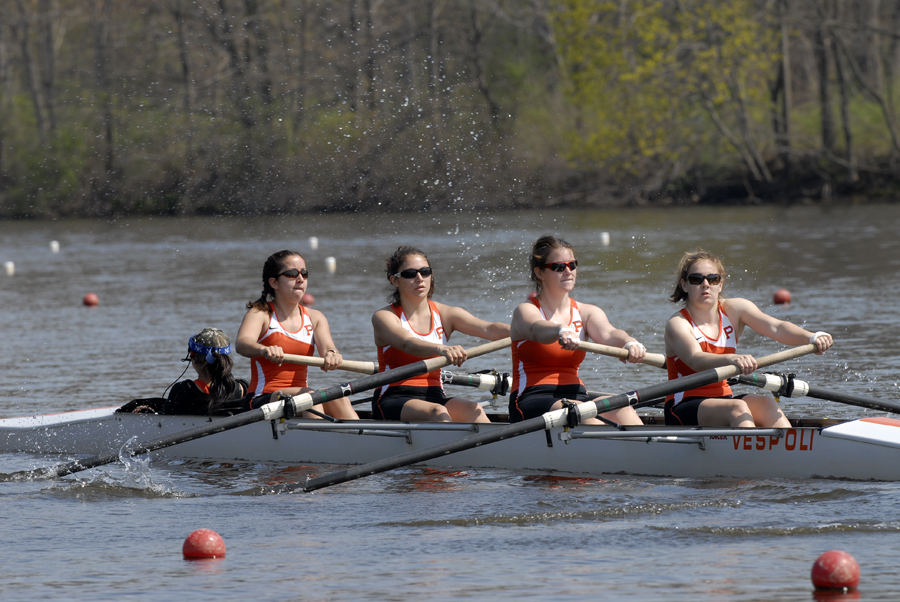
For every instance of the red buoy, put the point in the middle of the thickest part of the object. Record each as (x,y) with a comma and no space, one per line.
(203,543)
(835,569)
(782,296)
(307,300)
(91,299)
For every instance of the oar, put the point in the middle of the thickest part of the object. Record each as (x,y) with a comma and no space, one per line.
(288,407)
(547,421)
(348,365)
(788,386)
(651,359)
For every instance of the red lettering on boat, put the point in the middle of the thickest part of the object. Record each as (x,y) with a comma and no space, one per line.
(773,441)
(760,442)
(748,442)
(790,439)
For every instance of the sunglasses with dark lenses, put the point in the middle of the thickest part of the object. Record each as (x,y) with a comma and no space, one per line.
(292,274)
(410,273)
(697,279)
(559,266)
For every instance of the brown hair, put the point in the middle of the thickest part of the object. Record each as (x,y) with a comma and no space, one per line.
(222,384)
(540,251)
(684,266)
(274,265)
(392,266)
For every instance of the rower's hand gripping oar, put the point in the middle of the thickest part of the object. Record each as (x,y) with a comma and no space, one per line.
(348,365)
(288,406)
(651,359)
(547,421)
(785,385)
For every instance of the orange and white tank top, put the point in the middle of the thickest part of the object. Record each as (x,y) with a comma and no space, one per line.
(724,342)
(390,357)
(267,376)
(539,364)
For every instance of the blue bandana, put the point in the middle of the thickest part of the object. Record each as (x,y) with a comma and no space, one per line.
(207,351)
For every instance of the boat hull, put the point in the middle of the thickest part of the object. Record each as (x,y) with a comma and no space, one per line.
(866,449)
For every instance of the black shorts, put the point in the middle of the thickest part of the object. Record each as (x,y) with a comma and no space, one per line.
(538,400)
(685,413)
(388,405)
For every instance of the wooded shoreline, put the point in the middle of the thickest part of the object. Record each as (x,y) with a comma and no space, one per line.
(179,107)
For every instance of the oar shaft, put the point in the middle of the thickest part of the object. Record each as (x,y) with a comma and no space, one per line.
(216,426)
(651,359)
(348,365)
(546,421)
(774,382)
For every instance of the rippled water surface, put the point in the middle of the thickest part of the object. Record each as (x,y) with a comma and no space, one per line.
(116,532)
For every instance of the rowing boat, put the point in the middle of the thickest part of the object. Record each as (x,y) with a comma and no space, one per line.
(863,449)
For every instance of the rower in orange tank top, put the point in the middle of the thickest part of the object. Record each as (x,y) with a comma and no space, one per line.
(705,333)
(545,334)
(276,324)
(412,328)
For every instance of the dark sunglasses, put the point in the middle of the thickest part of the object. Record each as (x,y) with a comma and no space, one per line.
(410,273)
(560,266)
(292,274)
(698,279)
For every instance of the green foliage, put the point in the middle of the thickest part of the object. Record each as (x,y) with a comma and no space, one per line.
(640,74)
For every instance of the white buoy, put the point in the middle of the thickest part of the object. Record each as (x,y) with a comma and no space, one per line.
(313,243)
(10,268)
(54,246)
(604,239)
(331,265)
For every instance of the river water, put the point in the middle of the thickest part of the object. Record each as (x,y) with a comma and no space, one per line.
(116,532)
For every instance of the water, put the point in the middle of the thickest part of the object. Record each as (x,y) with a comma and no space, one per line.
(116,532)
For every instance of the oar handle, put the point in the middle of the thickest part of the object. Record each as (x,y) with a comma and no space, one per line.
(305,401)
(651,359)
(781,356)
(348,365)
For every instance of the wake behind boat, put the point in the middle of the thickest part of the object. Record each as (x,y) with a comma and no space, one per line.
(863,449)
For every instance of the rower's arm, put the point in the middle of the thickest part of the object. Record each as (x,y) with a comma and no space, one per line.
(528,324)
(251,329)
(457,318)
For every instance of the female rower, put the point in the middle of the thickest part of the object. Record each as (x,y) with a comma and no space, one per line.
(215,389)
(704,334)
(414,327)
(545,336)
(277,323)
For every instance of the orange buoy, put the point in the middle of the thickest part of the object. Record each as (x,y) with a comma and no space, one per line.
(307,300)
(835,569)
(91,299)
(782,296)
(203,543)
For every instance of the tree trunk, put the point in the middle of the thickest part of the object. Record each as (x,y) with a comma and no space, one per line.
(22,30)
(784,143)
(820,49)
(101,17)
(434,85)
(475,39)
(845,109)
